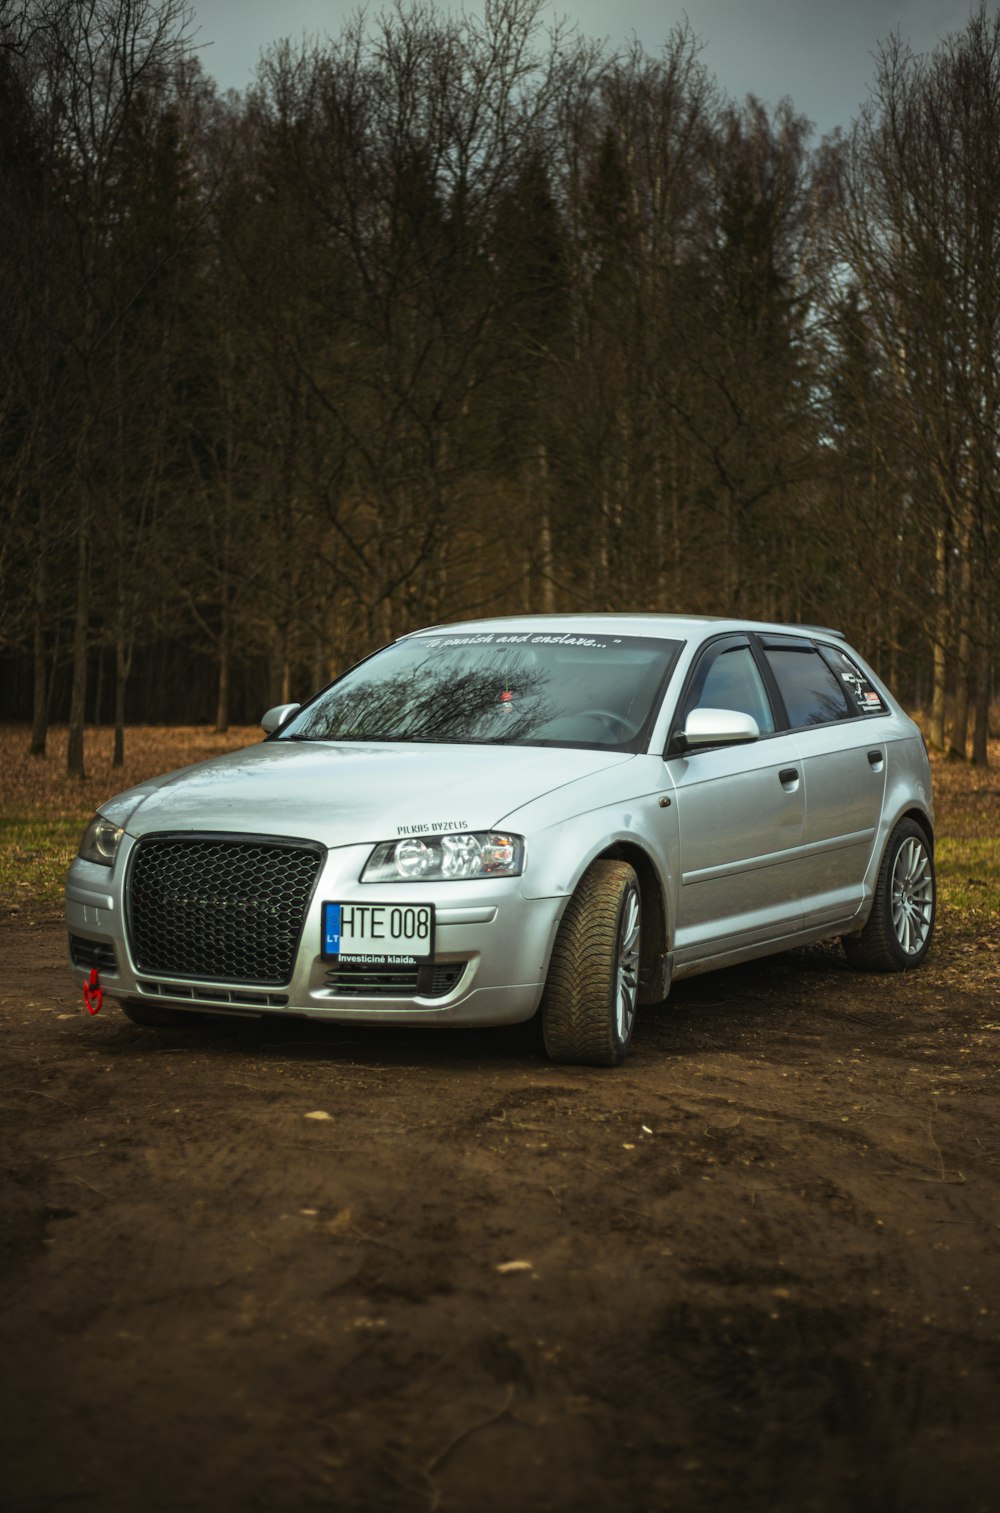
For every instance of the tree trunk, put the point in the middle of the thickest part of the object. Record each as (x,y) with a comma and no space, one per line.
(99,688)
(321,659)
(40,702)
(734,566)
(981,735)
(963,678)
(658,600)
(121,677)
(225,674)
(78,699)
(960,717)
(599,562)
(548,596)
(936,732)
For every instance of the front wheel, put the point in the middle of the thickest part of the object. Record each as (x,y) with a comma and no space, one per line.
(588,1006)
(901,924)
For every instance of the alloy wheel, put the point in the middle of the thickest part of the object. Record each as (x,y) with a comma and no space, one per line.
(912,895)
(627,970)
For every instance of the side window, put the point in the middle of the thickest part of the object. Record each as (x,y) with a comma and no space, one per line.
(858,688)
(812,694)
(729,679)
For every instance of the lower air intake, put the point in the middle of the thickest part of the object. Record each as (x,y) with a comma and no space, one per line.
(93,953)
(433,981)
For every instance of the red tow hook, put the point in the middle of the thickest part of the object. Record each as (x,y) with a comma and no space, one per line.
(93,993)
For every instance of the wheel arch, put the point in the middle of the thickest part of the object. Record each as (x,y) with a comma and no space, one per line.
(654,971)
(920,818)
(898,931)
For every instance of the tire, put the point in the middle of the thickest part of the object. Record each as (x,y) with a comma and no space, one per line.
(900,927)
(153,1016)
(589,1002)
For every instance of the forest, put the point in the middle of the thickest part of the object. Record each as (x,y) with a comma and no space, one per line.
(450,316)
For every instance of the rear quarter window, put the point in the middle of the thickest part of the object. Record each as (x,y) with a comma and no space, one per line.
(858,688)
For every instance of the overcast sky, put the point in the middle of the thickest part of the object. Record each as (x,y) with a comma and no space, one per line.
(818,52)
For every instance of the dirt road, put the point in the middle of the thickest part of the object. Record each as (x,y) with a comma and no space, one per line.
(283,1267)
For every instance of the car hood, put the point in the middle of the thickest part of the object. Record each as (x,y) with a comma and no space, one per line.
(344,794)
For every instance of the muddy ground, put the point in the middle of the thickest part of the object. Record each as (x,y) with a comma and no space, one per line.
(755,1267)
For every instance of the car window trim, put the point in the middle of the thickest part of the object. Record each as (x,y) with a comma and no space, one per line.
(681,710)
(776,642)
(782,723)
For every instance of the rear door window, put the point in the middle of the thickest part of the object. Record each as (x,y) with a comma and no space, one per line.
(812,693)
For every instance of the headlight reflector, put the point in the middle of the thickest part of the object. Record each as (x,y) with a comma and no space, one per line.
(100,842)
(443,858)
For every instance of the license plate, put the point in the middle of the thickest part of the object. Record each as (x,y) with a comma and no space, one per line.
(379,934)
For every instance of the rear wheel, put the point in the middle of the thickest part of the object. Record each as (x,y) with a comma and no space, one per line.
(589,1003)
(155,1016)
(901,924)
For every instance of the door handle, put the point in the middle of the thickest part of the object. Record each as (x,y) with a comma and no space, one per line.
(788,775)
(875,758)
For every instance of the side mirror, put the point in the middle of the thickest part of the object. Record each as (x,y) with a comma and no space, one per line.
(719,727)
(277,716)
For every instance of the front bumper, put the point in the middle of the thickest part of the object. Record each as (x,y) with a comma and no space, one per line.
(492,948)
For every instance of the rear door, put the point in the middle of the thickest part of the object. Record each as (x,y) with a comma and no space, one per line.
(832,712)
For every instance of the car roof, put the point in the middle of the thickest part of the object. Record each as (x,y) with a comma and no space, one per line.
(669,627)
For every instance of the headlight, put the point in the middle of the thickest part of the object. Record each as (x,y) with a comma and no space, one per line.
(445,858)
(101,840)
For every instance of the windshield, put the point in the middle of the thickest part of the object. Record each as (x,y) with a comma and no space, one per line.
(524,688)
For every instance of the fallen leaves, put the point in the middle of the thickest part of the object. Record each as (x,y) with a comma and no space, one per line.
(38,787)
(43,812)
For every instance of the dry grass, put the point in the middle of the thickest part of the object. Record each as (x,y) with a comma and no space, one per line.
(967,813)
(43,813)
(38,788)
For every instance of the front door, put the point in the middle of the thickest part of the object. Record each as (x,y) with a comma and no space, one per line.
(741,818)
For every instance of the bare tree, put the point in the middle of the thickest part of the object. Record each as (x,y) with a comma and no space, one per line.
(919,232)
(90,70)
(451,315)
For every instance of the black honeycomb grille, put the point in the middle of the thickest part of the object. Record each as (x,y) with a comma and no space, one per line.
(215,907)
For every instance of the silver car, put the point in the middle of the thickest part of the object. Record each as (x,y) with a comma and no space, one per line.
(548,814)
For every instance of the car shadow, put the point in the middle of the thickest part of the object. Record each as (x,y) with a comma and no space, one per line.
(711,1012)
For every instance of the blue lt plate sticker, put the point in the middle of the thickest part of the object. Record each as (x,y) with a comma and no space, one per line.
(378,934)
